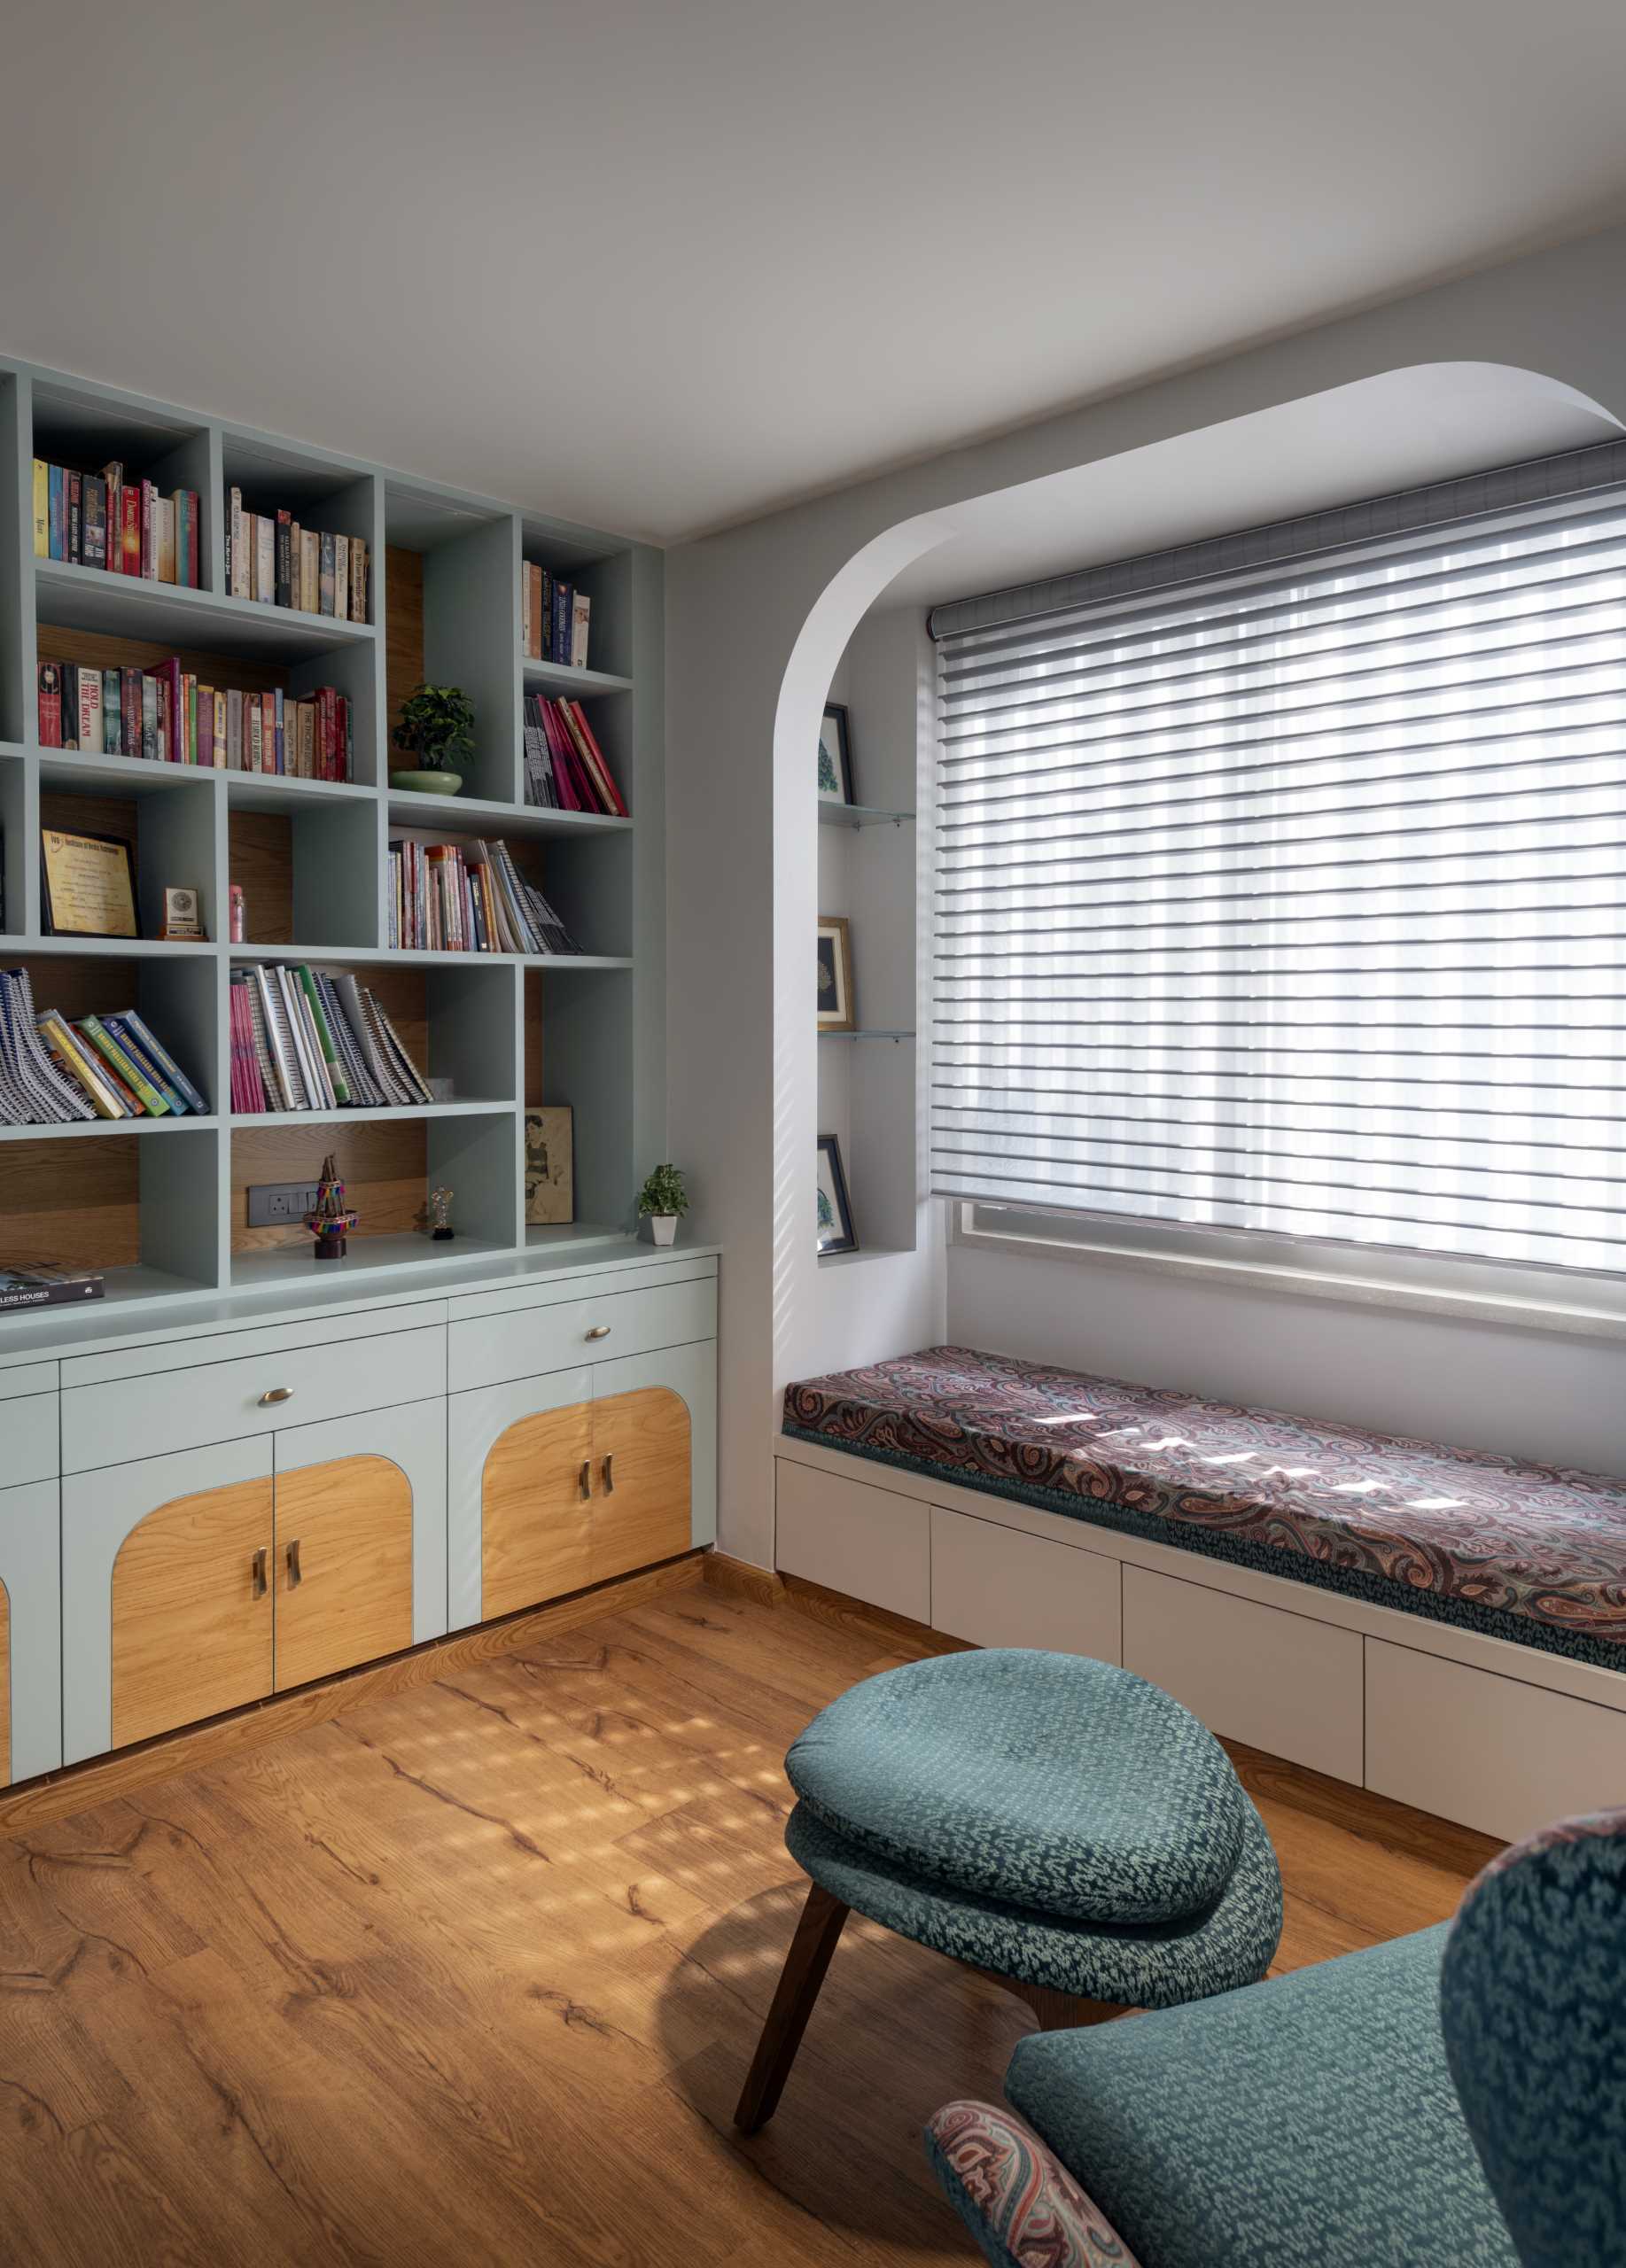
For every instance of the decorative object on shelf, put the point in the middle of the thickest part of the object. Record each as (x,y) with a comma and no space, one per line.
(44,1284)
(834,755)
(834,974)
(183,916)
(239,914)
(550,1166)
(835,1230)
(436,725)
(440,1229)
(89,885)
(329,1220)
(662,1202)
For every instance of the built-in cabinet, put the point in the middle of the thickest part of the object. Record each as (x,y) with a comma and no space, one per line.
(248,1509)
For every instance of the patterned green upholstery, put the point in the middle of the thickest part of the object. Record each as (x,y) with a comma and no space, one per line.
(1533,2016)
(1308,2122)
(1152,1965)
(1044,1781)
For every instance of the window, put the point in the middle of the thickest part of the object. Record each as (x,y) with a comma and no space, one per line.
(1291,901)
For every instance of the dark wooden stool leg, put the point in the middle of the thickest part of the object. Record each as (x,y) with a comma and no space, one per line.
(799,1980)
(1063,2011)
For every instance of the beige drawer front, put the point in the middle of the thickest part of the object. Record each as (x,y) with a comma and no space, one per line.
(528,1341)
(998,1586)
(228,1401)
(868,1543)
(27,1440)
(1279,1680)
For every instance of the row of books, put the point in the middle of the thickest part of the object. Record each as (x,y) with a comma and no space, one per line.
(53,1071)
(302,1039)
(166,716)
(554,618)
(101,519)
(271,557)
(565,769)
(468,898)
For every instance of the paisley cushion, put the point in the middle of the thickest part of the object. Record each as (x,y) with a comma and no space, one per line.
(1307,2122)
(1155,1965)
(1533,2004)
(1019,2201)
(1050,1782)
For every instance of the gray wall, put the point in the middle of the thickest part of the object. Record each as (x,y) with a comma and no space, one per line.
(757,620)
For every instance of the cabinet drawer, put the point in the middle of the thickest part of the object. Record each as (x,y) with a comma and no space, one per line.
(225,1402)
(868,1543)
(527,1342)
(999,1586)
(29,1440)
(1279,1680)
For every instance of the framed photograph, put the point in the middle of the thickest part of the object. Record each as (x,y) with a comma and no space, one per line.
(834,755)
(834,974)
(89,885)
(835,1207)
(550,1166)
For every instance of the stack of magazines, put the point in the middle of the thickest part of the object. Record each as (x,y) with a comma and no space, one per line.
(53,1072)
(468,898)
(302,1039)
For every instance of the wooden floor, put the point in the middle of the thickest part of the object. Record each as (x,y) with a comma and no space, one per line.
(472,1974)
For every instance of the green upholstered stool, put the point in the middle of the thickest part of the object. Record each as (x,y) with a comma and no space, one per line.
(1053,1821)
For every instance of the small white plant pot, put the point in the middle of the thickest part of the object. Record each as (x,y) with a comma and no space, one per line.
(663,1227)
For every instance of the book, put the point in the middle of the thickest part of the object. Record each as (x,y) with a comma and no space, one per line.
(45,1285)
(341,578)
(265,559)
(93,521)
(581,608)
(56,513)
(125,1039)
(42,508)
(173,1073)
(87,736)
(326,584)
(283,593)
(310,571)
(50,704)
(73,539)
(96,1032)
(129,531)
(164,537)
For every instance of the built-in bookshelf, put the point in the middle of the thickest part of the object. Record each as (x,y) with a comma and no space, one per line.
(160,1203)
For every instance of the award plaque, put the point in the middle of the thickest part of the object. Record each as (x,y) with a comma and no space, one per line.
(182,917)
(89,889)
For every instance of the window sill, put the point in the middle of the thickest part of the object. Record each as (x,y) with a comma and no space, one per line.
(1513,1312)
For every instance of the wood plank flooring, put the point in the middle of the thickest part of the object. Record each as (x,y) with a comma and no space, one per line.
(472,1974)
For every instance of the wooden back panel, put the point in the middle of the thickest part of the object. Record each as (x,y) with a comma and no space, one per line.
(352,1521)
(642,1503)
(535,1522)
(190,1638)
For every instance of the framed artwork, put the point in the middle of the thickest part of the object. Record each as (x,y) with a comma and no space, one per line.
(89,885)
(834,755)
(835,1207)
(550,1166)
(834,974)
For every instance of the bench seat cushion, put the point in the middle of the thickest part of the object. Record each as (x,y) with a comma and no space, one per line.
(1527,1552)
(1306,2123)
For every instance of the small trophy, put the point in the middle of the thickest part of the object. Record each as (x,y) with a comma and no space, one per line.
(183,916)
(329,1221)
(440,1227)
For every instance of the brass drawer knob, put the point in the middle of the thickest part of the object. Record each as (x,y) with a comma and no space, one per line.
(275,1394)
(599,1331)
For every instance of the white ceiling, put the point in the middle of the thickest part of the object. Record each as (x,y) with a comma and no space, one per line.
(665,265)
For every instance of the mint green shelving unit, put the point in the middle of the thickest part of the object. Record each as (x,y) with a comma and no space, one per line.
(602,1015)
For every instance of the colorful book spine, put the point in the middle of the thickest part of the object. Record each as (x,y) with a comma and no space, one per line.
(42,508)
(107,1046)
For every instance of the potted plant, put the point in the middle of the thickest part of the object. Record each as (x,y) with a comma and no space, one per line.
(435,728)
(662,1202)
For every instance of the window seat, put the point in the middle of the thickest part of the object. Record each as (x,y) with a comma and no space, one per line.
(1530,1553)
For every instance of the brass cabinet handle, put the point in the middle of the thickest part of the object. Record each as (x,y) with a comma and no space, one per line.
(599,1331)
(275,1394)
(295,1574)
(608,1476)
(259,1581)
(584,1478)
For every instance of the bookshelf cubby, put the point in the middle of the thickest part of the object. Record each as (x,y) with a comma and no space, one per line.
(160,1204)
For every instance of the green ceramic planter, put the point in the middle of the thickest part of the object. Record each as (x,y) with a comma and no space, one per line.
(426,783)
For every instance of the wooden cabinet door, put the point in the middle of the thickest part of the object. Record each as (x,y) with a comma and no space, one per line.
(535,1510)
(191,1610)
(642,1499)
(344,1565)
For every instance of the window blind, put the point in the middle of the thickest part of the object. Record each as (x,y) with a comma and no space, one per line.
(1295,900)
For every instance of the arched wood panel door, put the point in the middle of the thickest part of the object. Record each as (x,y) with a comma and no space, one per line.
(535,1512)
(192,1609)
(642,1504)
(344,1565)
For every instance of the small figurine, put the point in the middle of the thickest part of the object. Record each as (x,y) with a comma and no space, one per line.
(441,1215)
(328,1219)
